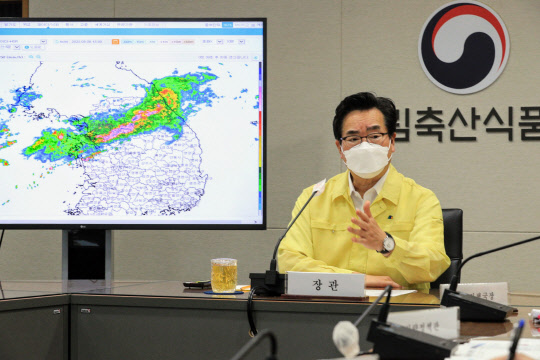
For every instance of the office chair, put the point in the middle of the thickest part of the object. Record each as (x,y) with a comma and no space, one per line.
(453,244)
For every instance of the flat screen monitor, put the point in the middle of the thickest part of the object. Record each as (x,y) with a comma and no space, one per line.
(132,123)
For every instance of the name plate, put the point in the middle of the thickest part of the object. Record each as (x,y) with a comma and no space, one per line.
(497,292)
(443,322)
(325,284)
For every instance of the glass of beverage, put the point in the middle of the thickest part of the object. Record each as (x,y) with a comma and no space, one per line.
(224,274)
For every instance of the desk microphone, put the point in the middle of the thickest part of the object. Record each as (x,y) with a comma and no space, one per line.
(271,282)
(345,335)
(393,341)
(246,349)
(472,308)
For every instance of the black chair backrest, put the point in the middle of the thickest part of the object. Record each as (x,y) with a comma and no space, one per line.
(453,244)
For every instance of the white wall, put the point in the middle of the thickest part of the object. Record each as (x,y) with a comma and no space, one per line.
(319,52)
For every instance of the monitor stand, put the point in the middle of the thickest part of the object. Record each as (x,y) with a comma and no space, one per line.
(87,254)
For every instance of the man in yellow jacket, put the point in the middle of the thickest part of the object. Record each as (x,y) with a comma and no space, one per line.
(370,219)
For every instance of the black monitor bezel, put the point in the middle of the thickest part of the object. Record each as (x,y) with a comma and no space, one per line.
(164,226)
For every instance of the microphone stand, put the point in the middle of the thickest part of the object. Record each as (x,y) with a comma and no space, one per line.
(345,334)
(393,341)
(272,283)
(384,310)
(472,308)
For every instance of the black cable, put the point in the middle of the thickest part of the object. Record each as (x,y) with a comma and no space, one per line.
(250,345)
(2,237)
(252,327)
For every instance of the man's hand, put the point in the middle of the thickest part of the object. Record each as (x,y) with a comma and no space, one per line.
(373,281)
(369,233)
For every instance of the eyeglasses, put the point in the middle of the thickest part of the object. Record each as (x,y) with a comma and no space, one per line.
(373,138)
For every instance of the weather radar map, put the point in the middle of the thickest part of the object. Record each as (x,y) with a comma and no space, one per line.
(131,123)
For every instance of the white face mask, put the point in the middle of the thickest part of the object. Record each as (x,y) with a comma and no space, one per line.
(367,160)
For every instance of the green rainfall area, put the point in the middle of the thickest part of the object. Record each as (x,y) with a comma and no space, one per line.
(161,107)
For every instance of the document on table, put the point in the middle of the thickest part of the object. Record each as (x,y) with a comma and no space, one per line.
(488,349)
(394,292)
(362,357)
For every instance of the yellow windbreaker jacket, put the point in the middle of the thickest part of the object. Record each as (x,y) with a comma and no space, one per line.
(319,240)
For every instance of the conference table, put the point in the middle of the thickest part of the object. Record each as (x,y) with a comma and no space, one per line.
(84,319)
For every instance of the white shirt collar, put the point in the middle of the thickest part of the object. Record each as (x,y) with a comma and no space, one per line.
(370,195)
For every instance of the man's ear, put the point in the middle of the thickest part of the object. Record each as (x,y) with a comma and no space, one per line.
(393,143)
(338,145)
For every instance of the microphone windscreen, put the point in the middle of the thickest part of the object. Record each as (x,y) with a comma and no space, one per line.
(319,187)
(346,339)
